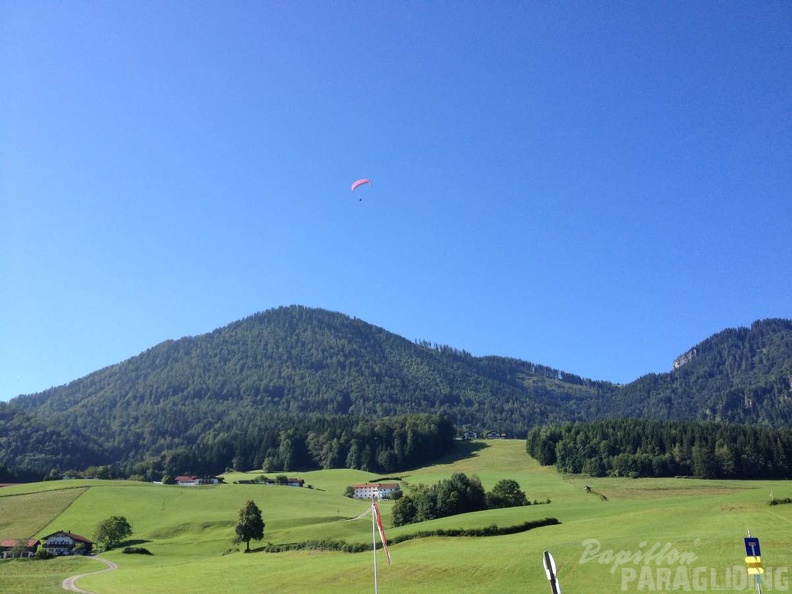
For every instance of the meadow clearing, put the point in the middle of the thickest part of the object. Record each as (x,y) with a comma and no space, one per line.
(627,535)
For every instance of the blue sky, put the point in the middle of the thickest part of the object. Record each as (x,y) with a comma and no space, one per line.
(594,186)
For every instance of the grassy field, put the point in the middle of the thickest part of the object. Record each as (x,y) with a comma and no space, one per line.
(36,577)
(693,527)
(24,515)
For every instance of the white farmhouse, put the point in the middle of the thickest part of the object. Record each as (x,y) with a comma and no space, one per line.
(375,490)
(191,481)
(64,542)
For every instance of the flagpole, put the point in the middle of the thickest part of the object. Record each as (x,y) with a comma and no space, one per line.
(374,543)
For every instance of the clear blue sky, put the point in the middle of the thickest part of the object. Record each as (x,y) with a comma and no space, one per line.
(594,186)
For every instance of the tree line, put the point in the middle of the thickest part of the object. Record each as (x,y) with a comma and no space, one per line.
(280,443)
(380,445)
(640,448)
(458,495)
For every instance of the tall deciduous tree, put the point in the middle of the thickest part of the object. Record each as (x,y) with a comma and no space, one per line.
(110,532)
(250,525)
(506,493)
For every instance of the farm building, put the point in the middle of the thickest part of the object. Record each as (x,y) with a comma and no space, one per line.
(18,548)
(375,490)
(67,543)
(191,481)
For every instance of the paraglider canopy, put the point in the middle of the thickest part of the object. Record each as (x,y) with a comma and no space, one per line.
(360,182)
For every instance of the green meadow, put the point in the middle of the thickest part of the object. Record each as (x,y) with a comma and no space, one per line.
(627,535)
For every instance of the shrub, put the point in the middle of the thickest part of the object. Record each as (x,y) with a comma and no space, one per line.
(43,554)
(136,551)
(345,547)
(783,501)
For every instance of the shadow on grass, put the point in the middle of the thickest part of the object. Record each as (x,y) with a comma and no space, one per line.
(462,450)
(133,543)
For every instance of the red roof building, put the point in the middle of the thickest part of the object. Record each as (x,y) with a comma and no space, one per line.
(12,547)
(67,543)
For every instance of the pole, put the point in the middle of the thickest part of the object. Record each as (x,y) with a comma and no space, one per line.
(550,570)
(752,550)
(374,544)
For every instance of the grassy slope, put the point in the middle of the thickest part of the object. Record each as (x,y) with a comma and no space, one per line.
(22,516)
(190,529)
(35,577)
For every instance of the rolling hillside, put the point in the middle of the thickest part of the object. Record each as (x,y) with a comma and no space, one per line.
(189,532)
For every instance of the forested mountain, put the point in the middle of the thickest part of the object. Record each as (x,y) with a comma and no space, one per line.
(235,391)
(741,375)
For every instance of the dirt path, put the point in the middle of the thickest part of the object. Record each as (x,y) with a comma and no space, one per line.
(70,585)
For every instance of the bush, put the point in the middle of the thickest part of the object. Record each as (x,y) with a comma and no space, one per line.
(506,493)
(136,551)
(783,501)
(345,547)
(458,495)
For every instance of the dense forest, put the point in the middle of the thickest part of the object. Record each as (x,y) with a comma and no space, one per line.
(380,445)
(277,444)
(237,391)
(641,448)
(740,375)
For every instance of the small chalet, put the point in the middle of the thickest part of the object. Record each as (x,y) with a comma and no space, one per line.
(67,543)
(375,490)
(191,481)
(24,548)
(295,482)
(496,435)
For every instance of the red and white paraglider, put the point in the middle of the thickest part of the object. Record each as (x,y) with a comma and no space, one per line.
(361,182)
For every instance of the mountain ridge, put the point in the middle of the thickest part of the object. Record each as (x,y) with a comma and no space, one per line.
(292,363)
